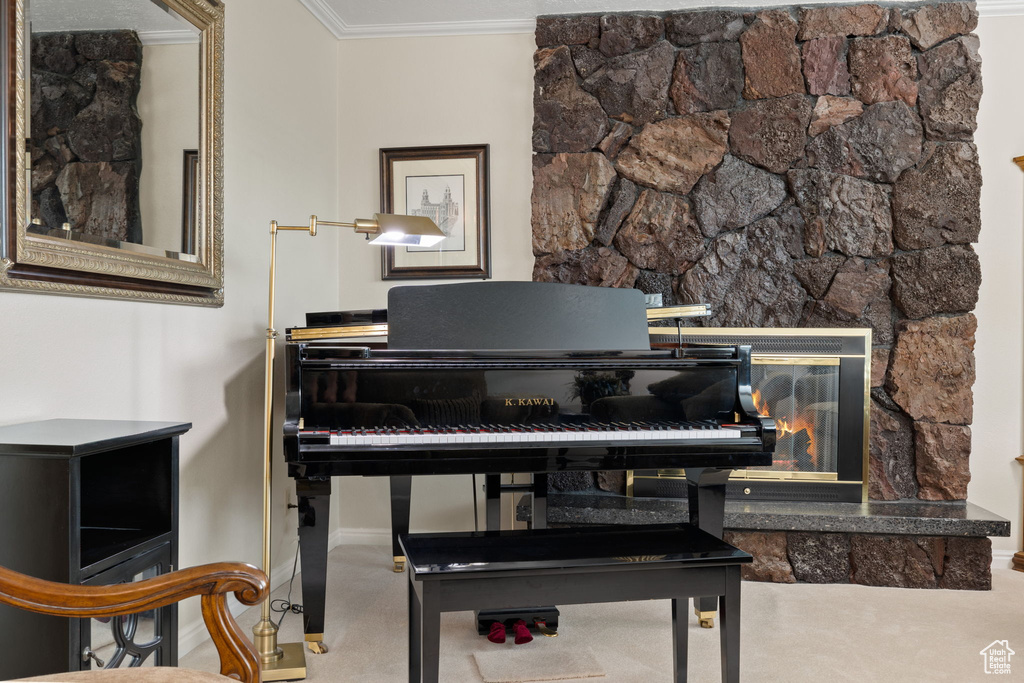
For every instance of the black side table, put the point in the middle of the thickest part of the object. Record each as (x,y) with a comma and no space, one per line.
(88,502)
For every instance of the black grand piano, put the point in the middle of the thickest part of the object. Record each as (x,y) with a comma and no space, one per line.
(509,377)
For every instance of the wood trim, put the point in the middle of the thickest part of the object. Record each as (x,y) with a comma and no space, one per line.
(212,582)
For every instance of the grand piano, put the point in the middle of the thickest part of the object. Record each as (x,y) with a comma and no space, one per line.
(510,377)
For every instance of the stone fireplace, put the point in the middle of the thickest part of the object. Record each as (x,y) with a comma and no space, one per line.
(791,167)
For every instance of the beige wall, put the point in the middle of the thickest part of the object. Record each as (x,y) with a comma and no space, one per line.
(89,358)
(430,91)
(999,391)
(168,104)
(408,84)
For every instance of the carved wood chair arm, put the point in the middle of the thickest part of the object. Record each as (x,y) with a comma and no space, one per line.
(212,582)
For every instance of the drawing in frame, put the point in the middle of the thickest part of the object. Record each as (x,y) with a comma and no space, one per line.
(451,186)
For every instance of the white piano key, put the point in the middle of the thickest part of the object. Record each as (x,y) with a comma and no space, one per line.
(383,437)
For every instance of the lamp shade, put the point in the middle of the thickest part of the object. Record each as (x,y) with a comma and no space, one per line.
(417,231)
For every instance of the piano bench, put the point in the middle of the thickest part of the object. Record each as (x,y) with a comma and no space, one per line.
(462,571)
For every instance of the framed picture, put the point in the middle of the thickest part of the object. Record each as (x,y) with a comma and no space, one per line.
(449,185)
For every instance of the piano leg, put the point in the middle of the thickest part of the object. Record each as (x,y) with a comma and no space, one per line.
(401,497)
(539,518)
(705,491)
(492,492)
(314,519)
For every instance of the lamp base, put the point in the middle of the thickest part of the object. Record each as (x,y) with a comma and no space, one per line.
(290,667)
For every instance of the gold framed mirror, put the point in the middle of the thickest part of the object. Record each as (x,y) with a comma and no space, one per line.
(102,98)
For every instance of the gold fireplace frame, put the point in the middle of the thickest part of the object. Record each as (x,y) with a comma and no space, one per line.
(780,353)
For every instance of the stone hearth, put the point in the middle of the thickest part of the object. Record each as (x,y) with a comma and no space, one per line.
(903,544)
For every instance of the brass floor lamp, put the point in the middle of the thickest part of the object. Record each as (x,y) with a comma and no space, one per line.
(288,661)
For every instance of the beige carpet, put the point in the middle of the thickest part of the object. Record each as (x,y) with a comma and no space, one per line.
(555,661)
(790,633)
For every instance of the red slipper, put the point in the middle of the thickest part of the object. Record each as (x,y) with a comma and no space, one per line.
(523,634)
(497,634)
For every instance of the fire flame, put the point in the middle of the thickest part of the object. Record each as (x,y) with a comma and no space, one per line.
(786,425)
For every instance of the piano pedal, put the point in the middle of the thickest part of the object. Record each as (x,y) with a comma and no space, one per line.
(497,632)
(706,619)
(399,565)
(543,629)
(534,618)
(522,632)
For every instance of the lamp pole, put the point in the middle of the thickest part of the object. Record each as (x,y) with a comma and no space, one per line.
(288,661)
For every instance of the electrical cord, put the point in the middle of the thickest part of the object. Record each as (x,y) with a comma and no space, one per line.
(286,605)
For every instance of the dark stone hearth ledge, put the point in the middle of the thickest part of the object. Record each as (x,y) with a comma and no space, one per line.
(915,518)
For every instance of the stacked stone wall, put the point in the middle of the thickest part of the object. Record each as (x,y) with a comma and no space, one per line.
(804,166)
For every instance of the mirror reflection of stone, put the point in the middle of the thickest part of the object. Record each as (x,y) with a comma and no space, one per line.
(96,74)
(86,144)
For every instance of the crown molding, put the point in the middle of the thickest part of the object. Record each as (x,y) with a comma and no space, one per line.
(439,28)
(327,16)
(337,26)
(182,37)
(1000,8)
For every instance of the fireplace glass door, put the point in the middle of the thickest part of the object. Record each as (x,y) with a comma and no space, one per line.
(802,396)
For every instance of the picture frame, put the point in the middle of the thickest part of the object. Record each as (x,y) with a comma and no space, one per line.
(450,185)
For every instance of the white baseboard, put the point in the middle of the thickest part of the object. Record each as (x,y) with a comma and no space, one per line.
(344,536)
(1002,559)
(375,536)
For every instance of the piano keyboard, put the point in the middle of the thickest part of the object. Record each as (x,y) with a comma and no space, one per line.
(526,434)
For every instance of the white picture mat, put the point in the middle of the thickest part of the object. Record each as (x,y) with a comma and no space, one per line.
(438,256)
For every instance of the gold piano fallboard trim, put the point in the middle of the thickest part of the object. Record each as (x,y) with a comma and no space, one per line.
(768,475)
(308,333)
(673,312)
